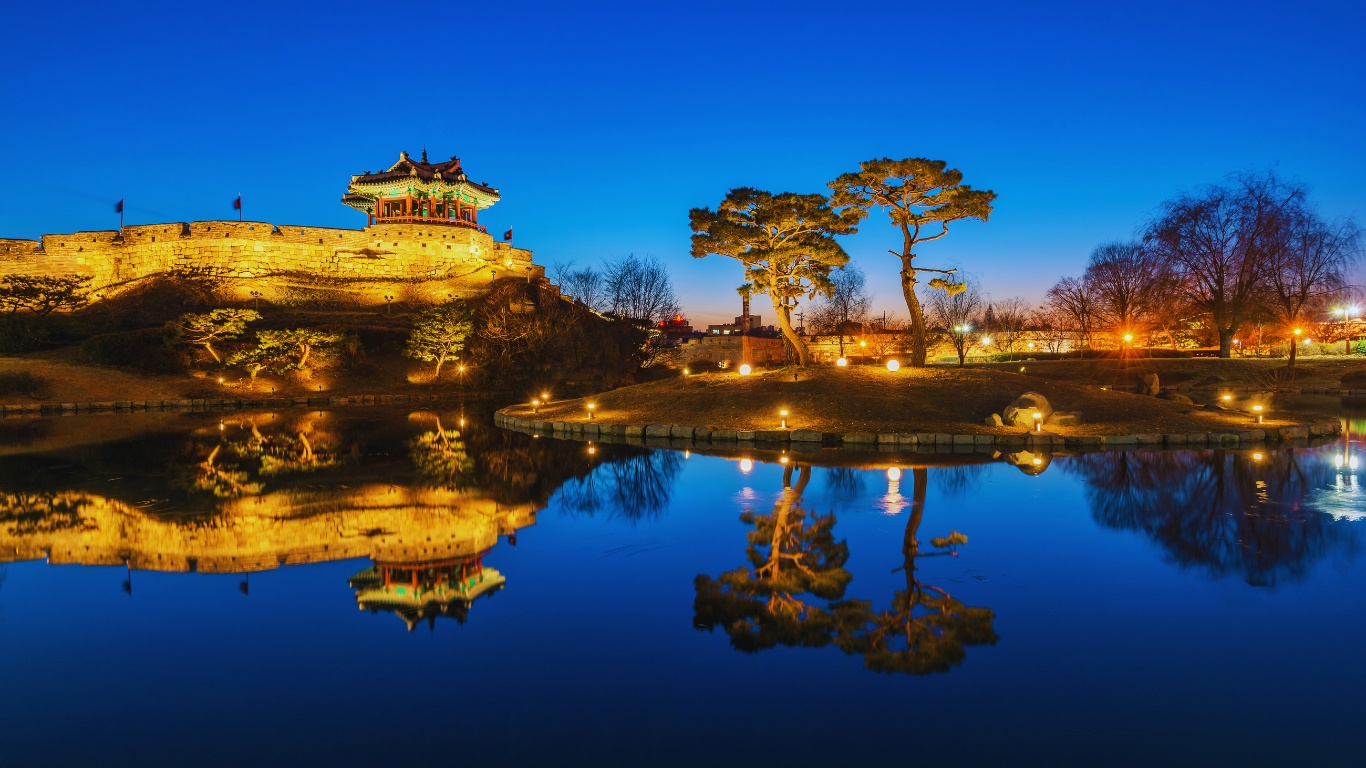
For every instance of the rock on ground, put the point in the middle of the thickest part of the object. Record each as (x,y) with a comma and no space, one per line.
(1066,418)
(1020,413)
(994,420)
(1151,386)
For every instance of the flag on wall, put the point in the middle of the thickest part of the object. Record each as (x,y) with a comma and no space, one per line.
(119,207)
(237,204)
(507,235)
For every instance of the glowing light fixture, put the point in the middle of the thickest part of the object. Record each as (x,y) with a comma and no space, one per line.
(1128,337)
(686,371)
(1257,409)
(746,465)
(893,366)
(841,362)
(1038,421)
(783,413)
(1256,457)
(745,369)
(863,343)
(591,406)
(986,341)
(782,459)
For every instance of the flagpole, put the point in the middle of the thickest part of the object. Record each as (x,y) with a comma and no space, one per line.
(239,206)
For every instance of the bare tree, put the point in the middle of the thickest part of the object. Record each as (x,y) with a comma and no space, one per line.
(1128,281)
(846,309)
(1074,299)
(1218,239)
(1309,258)
(639,289)
(1012,315)
(1051,327)
(954,306)
(585,285)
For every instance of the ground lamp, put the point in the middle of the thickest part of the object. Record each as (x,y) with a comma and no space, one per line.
(1228,398)
(545,397)
(535,405)
(745,369)
(220,379)
(591,406)
(1038,421)
(686,371)
(841,362)
(783,413)
(1256,457)
(893,366)
(1257,409)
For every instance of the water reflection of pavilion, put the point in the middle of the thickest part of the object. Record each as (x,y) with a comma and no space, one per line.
(426,590)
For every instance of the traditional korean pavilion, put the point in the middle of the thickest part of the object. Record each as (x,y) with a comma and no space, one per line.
(421,192)
(426,590)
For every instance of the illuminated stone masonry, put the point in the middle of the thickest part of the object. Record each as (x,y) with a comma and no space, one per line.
(430,249)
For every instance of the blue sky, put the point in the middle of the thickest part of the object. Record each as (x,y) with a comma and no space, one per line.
(602,124)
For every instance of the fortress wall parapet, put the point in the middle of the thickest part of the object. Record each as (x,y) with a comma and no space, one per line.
(281,258)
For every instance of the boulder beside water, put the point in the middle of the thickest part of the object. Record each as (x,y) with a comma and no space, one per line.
(1020,413)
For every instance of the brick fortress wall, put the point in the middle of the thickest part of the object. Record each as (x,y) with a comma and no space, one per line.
(285,263)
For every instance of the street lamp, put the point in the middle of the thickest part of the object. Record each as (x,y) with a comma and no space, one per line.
(1257,409)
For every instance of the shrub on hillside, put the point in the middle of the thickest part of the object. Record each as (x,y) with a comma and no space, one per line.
(22,383)
(19,334)
(143,350)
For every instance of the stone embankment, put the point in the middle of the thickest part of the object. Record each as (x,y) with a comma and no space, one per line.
(799,439)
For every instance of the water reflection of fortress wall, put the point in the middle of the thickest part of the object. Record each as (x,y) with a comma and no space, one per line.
(382,522)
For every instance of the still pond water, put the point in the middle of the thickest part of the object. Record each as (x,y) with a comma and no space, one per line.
(379,587)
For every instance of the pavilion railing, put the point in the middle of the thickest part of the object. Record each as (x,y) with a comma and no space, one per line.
(428,220)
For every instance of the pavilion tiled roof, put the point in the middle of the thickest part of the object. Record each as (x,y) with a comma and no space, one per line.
(448,172)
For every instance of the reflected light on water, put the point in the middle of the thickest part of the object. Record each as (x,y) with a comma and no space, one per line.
(893,502)
(746,465)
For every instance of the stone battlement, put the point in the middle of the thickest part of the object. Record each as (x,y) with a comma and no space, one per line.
(412,262)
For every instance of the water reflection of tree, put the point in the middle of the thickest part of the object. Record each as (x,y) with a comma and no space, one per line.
(245,457)
(1219,510)
(441,459)
(636,485)
(792,593)
(792,559)
(845,483)
(925,629)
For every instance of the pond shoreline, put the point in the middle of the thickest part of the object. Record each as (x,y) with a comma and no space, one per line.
(674,436)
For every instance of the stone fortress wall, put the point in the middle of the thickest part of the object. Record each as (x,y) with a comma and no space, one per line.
(285,263)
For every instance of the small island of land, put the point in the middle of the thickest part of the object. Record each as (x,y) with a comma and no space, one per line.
(869,401)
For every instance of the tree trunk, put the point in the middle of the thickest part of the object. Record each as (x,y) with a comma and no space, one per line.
(441,358)
(790,333)
(908,282)
(209,347)
(1226,342)
(1293,350)
(910,544)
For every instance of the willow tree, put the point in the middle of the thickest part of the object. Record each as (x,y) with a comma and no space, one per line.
(921,197)
(786,243)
